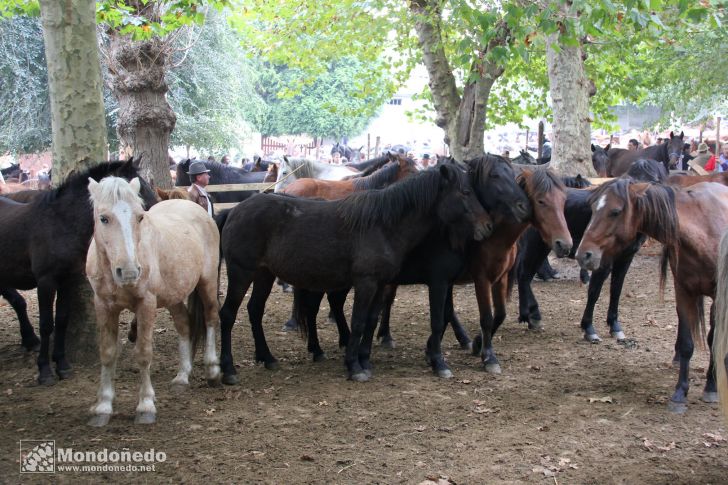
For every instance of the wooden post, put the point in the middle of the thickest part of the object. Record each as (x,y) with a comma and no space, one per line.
(540,140)
(376,146)
(369,146)
(526,146)
(717,137)
(318,147)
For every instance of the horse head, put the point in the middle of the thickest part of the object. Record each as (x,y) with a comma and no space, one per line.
(600,159)
(495,184)
(674,149)
(547,195)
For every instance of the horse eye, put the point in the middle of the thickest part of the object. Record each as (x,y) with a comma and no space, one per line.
(615,212)
(140,217)
(541,202)
(104,220)
(466,192)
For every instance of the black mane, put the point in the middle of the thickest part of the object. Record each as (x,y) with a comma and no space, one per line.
(380,178)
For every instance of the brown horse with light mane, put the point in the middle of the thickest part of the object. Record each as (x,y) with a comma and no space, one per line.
(171,194)
(396,168)
(134,261)
(689,223)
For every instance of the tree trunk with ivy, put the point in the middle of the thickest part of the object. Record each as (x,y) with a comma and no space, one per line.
(570,89)
(145,120)
(461,117)
(79,131)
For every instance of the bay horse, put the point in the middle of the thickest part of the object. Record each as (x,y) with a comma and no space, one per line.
(533,253)
(689,223)
(134,262)
(669,153)
(44,244)
(291,169)
(720,339)
(600,159)
(396,169)
(222,174)
(358,241)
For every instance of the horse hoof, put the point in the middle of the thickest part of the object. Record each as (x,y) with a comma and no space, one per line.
(230,379)
(467,346)
(32,346)
(290,326)
(271,365)
(592,338)
(362,376)
(493,368)
(388,344)
(64,373)
(319,357)
(677,407)
(99,420)
(215,382)
(145,418)
(46,380)
(709,396)
(477,346)
(444,373)
(535,326)
(179,387)
(619,336)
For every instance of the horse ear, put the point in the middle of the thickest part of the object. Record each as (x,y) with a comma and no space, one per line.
(593,147)
(136,185)
(606,148)
(93,188)
(672,135)
(161,193)
(682,134)
(445,173)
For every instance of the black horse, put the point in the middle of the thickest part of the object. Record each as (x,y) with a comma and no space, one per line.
(437,262)
(600,159)
(533,251)
(669,153)
(13,171)
(222,174)
(44,243)
(358,241)
(351,154)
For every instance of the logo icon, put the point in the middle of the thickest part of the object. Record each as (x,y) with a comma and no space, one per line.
(37,456)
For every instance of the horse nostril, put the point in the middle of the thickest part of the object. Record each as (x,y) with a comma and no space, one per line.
(118,272)
(588,255)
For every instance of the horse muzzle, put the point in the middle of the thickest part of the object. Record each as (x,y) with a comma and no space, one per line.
(590,259)
(127,276)
(561,247)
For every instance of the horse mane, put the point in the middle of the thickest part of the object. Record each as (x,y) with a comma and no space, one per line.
(304,168)
(577,182)
(116,189)
(482,166)
(647,170)
(79,180)
(372,165)
(413,195)
(542,182)
(380,178)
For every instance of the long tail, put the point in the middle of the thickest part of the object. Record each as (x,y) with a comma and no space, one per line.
(720,338)
(196,314)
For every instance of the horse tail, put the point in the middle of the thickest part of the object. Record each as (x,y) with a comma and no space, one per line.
(196,315)
(221,219)
(720,338)
(512,277)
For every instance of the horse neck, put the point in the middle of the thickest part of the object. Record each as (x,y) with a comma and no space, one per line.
(506,233)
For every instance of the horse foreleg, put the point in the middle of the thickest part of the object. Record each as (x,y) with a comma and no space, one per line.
(619,273)
(533,250)
(262,286)
(500,297)
(146,412)
(438,300)
(309,303)
(336,303)
(483,293)
(238,283)
(365,291)
(107,322)
(63,313)
(595,289)
(687,314)
(182,324)
(451,317)
(385,334)
(46,295)
(29,339)
(710,392)
(365,349)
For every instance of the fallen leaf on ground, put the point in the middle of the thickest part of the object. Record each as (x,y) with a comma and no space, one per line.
(546,472)
(601,399)
(668,447)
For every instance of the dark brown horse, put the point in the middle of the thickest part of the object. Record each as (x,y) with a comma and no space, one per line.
(669,153)
(397,168)
(689,223)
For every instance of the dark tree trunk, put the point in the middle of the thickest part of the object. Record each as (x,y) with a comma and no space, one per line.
(145,119)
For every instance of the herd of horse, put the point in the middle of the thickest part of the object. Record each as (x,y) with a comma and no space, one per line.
(371,227)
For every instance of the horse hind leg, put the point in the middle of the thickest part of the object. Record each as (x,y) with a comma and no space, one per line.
(108,330)
(29,340)
(208,293)
(182,325)
(146,411)
(238,283)
(710,392)
(262,286)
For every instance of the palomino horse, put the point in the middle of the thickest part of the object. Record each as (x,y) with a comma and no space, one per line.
(397,169)
(669,153)
(689,223)
(134,262)
(290,169)
(44,244)
(720,339)
(366,235)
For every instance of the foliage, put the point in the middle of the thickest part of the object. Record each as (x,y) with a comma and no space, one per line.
(25,119)
(336,104)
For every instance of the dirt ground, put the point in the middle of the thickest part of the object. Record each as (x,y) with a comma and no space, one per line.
(562,411)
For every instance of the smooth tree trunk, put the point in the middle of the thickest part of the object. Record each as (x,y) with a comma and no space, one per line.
(461,117)
(79,129)
(570,89)
(145,120)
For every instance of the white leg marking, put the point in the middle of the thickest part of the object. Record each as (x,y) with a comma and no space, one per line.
(212,364)
(105,395)
(185,362)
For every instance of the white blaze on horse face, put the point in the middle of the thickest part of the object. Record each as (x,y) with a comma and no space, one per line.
(122,211)
(601,202)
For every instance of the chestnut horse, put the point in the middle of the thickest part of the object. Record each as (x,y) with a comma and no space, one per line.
(134,261)
(176,193)
(397,168)
(720,339)
(689,223)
